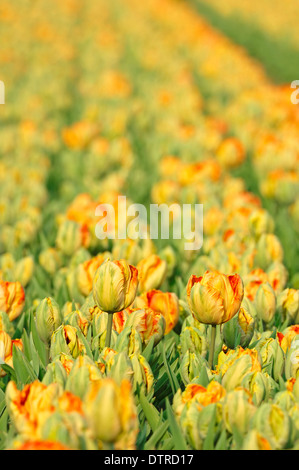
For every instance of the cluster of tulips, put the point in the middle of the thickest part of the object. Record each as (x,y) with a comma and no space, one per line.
(137,343)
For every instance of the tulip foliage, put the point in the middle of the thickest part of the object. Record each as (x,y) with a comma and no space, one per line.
(132,342)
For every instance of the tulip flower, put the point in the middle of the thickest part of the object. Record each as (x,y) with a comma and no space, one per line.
(214,298)
(148,323)
(6,350)
(152,271)
(48,318)
(111,413)
(265,302)
(274,424)
(166,303)
(12,298)
(114,289)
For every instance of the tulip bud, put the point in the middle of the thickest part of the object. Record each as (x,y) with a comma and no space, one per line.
(288,305)
(214,298)
(292,359)
(258,386)
(255,441)
(231,153)
(272,356)
(143,375)
(31,407)
(277,276)
(83,372)
(85,273)
(166,303)
(77,319)
(65,339)
(152,272)
(12,299)
(191,365)
(115,286)
(260,222)
(265,302)
(273,423)
(148,323)
(50,260)
(268,250)
(239,330)
(237,411)
(195,422)
(65,428)
(55,373)
(129,340)
(70,237)
(48,318)
(118,366)
(285,400)
(237,365)
(192,340)
(111,413)
(6,350)
(23,270)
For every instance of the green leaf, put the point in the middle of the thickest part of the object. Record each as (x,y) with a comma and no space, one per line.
(221,443)
(151,413)
(156,436)
(40,346)
(209,440)
(175,430)
(23,369)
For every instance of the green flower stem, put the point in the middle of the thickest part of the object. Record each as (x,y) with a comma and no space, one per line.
(212,346)
(109,330)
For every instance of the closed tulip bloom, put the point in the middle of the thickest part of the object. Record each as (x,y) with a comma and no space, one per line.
(261,222)
(148,323)
(241,328)
(84,371)
(66,340)
(238,410)
(12,298)
(258,386)
(115,286)
(288,304)
(166,303)
(23,270)
(152,271)
(6,350)
(214,298)
(48,318)
(191,365)
(265,302)
(30,408)
(268,250)
(111,413)
(285,339)
(255,441)
(85,273)
(191,339)
(274,424)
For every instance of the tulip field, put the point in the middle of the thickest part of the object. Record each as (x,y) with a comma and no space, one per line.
(126,342)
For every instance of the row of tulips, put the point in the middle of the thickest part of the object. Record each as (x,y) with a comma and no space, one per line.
(131,344)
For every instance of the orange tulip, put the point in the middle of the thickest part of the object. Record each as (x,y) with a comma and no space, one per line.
(12,298)
(165,303)
(214,298)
